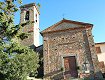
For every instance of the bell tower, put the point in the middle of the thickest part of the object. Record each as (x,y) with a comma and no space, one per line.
(30,12)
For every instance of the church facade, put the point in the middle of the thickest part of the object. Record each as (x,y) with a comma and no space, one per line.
(68,46)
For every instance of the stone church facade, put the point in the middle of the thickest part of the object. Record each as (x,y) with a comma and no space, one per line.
(68,46)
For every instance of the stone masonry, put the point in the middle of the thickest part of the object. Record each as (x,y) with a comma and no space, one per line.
(33,28)
(69,38)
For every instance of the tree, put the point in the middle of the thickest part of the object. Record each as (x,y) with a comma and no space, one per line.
(16,61)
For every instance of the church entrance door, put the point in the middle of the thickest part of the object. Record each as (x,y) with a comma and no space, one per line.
(70,67)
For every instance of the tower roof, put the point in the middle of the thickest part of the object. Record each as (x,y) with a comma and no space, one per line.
(30,5)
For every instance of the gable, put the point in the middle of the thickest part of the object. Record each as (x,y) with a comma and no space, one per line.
(65,25)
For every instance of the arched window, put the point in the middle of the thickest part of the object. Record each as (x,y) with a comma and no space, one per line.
(27,15)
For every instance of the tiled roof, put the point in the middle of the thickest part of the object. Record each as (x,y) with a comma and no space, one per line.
(100,43)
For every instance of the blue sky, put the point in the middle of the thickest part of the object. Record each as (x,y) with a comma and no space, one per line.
(90,11)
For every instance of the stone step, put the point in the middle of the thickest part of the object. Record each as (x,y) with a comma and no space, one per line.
(32,78)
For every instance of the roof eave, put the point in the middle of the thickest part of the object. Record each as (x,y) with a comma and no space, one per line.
(30,5)
(65,20)
(43,32)
(100,43)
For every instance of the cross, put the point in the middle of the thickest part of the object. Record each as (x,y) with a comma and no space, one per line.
(63,16)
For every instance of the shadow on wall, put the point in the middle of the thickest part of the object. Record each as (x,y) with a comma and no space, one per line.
(39,50)
(55,75)
(94,76)
(103,74)
(60,75)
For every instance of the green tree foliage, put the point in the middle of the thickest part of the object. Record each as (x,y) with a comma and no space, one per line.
(16,61)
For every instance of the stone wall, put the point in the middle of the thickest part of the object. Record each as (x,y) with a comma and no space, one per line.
(94,57)
(78,43)
(57,45)
(27,28)
(33,28)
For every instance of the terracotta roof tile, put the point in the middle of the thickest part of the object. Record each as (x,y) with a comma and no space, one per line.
(100,43)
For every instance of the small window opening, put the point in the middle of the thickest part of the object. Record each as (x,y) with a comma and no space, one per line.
(27,15)
(98,50)
(36,17)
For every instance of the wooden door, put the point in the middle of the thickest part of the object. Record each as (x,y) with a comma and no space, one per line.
(70,66)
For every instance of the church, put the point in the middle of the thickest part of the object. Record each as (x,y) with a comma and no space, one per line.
(68,48)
